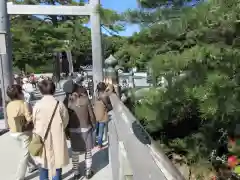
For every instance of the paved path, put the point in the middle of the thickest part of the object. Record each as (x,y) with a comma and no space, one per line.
(10,156)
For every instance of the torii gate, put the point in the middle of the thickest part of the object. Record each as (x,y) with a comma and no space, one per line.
(90,9)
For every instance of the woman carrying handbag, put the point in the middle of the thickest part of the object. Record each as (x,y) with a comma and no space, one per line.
(50,118)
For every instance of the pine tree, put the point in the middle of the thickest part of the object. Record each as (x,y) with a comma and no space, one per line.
(197,52)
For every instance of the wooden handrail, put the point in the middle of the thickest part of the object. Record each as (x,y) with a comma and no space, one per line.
(147,161)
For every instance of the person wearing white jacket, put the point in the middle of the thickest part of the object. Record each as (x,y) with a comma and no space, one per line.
(27,90)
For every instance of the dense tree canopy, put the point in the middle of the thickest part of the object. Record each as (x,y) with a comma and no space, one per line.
(196,49)
(36,38)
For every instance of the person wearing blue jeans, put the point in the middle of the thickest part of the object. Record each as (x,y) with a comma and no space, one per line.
(101,127)
(102,106)
(44,174)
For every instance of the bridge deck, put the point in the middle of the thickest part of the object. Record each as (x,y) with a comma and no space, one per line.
(10,156)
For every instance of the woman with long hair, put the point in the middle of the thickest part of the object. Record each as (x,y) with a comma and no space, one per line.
(81,125)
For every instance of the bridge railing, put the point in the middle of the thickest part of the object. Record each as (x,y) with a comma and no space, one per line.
(132,152)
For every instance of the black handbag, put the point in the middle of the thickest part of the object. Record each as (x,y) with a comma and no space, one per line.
(22,125)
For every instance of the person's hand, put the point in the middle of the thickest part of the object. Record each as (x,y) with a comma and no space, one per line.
(94,126)
(67,133)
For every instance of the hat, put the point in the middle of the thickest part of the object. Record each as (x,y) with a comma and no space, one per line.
(68,86)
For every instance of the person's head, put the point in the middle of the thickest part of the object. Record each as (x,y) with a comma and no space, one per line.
(14,92)
(101,87)
(79,80)
(68,86)
(80,90)
(46,87)
(16,76)
(25,80)
(110,88)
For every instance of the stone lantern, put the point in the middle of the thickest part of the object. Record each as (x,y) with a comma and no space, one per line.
(111,73)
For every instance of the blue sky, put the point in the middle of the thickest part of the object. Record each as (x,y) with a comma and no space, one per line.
(121,6)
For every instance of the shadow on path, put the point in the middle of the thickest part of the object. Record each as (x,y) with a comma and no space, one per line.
(100,161)
(3,131)
(32,176)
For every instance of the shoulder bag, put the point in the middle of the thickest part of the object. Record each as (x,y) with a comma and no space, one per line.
(22,125)
(35,147)
(107,103)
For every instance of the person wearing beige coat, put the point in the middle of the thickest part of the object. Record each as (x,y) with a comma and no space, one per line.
(55,153)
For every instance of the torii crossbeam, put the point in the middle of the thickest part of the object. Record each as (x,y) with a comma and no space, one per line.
(50,10)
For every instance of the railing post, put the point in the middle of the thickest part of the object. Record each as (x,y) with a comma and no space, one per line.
(131,78)
(125,170)
(111,79)
(113,150)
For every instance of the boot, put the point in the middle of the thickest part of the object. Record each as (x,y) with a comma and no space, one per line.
(89,174)
(76,176)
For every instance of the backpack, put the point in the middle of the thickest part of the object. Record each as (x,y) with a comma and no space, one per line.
(102,107)
(100,110)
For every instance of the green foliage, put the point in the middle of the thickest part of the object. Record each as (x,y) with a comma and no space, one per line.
(29,69)
(160,3)
(198,55)
(35,39)
(16,70)
(111,20)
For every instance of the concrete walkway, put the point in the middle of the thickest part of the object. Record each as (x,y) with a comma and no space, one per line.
(10,156)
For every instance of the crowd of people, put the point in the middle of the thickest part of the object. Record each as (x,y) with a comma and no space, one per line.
(45,129)
(29,82)
(31,78)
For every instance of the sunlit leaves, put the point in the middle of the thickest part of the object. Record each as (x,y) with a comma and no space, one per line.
(198,55)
